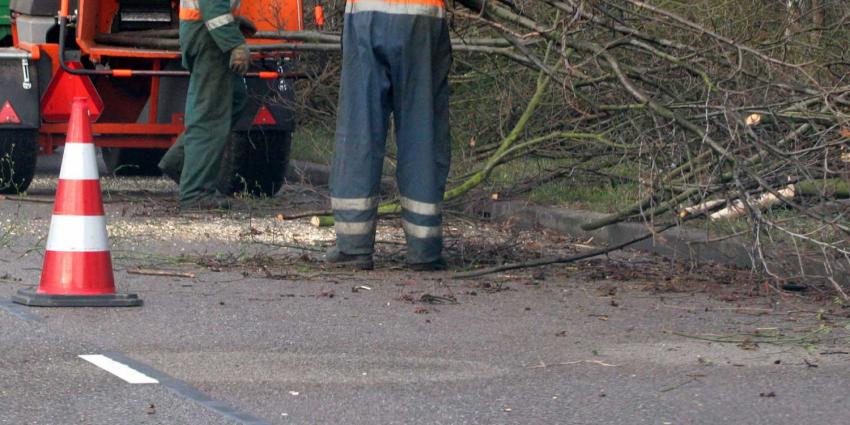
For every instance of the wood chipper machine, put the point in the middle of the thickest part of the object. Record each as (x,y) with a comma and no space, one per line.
(123,55)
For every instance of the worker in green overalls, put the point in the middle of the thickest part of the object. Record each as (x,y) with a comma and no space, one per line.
(212,42)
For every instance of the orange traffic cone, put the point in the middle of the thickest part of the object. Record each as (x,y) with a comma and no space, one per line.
(77,269)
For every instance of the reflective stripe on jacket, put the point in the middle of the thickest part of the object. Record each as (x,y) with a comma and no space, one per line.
(191,11)
(435,8)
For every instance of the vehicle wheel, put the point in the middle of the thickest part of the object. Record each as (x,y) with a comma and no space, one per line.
(255,162)
(132,161)
(18,154)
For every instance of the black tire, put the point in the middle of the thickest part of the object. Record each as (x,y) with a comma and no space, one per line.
(255,163)
(132,161)
(18,154)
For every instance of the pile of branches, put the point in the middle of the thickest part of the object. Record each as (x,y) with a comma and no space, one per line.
(725,111)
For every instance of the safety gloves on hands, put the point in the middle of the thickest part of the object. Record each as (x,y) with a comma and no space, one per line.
(246,26)
(240,59)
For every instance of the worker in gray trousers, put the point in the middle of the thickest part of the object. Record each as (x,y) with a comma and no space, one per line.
(396,59)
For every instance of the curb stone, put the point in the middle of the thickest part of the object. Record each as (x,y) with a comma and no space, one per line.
(319,175)
(307,172)
(678,243)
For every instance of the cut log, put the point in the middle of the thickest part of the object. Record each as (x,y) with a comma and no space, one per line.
(322,220)
(764,201)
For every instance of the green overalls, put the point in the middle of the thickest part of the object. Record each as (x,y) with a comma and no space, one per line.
(216,97)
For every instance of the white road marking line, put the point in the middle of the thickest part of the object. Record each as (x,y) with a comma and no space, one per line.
(183,389)
(120,370)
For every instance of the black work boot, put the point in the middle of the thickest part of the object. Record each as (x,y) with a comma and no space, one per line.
(171,174)
(431,266)
(337,258)
(207,203)
(171,163)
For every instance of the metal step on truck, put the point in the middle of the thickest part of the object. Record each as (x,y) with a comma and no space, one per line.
(124,56)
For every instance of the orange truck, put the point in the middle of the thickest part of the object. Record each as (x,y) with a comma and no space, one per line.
(123,56)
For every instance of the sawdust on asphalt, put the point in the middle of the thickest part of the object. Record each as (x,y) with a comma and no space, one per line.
(144,209)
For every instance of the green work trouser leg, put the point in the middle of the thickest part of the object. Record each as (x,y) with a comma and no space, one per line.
(214,104)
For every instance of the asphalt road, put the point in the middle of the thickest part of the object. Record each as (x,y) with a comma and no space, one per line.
(287,342)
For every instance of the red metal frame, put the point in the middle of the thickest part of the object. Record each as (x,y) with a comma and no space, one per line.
(117,135)
(154,98)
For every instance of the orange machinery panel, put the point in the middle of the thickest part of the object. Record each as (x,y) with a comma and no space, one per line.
(273,15)
(96,16)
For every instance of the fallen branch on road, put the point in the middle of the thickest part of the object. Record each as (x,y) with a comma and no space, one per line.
(306,214)
(169,273)
(25,199)
(560,260)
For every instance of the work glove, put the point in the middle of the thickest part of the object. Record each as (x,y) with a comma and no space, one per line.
(246,26)
(240,59)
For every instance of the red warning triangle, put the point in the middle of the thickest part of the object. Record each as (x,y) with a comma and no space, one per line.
(264,117)
(60,94)
(8,114)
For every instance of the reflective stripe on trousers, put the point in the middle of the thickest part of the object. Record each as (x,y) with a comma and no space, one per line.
(421,219)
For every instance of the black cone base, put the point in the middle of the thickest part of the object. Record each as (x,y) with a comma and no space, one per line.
(34,299)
